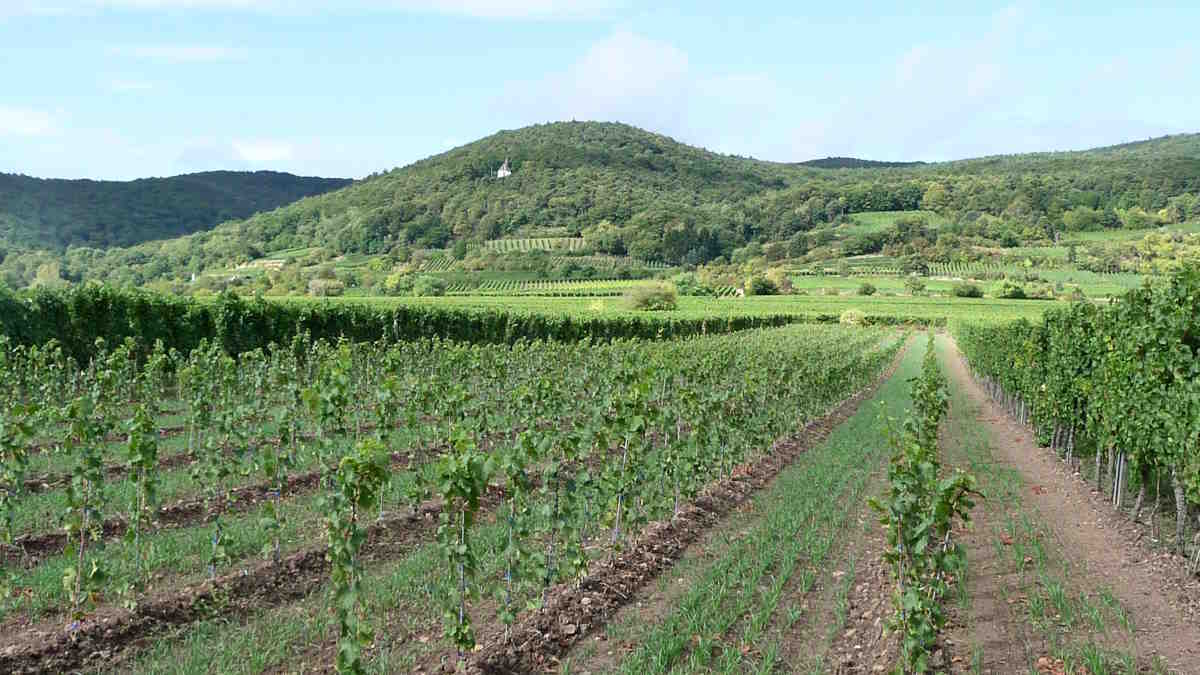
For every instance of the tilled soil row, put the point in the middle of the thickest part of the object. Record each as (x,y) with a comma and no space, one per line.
(30,550)
(570,612)
(52,481)
(863,646)
(49,481)
(100,639)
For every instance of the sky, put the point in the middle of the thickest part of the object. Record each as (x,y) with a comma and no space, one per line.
(120,89)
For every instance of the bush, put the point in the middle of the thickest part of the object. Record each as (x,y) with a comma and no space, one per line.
(914,284)
(687,283)
(760,285)
(866,288)
(325,287)
(426,285)
(967,290)
(779,277)
(1011,291)
(832,291)
(852,317)
(653,297)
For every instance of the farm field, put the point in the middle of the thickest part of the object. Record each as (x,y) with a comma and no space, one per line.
(318,444)
(542,338)
(690,504)
(896,308)
(877,221)
(576,288)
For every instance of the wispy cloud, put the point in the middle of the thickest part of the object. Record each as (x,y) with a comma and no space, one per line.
(490,9)
(180,53)
(16,121)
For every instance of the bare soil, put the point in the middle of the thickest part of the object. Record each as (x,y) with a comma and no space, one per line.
(861,645)
(29,550)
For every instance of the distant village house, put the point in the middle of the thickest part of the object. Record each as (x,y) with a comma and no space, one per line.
(504,171)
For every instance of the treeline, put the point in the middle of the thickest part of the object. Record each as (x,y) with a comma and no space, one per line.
(1119,383)
(78,316)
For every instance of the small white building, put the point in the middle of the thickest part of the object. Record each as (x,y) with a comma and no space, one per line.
(504,171)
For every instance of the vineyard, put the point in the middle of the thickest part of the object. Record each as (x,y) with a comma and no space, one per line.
(538,244)
(1116,387)
(544,288)
(144,483)
(403,487)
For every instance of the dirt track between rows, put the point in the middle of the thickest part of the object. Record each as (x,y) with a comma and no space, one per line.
(1163,600)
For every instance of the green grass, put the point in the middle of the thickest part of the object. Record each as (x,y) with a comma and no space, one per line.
(181,553)
(876,221)
(1103,236)
(899,307)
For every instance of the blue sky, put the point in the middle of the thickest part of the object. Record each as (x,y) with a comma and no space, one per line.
(126,88)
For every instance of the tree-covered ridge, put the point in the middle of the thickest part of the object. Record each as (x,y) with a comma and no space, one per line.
(854,163)
(631,192)
(55,214)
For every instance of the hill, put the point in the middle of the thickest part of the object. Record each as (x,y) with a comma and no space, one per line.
(55,214)
(854,163)
(631,192)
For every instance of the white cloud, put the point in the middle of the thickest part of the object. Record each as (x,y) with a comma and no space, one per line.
(24,122)
(626,77)
(629,78)
(263,150)
(491,9)
(180,53)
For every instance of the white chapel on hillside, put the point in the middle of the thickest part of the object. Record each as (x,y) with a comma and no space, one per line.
(504,171)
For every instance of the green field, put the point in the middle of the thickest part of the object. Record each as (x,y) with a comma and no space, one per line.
(877,221)
(898,307)
(1130,235)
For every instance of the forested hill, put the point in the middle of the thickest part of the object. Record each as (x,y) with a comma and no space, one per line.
(54,214)
(631,191)
(854,163)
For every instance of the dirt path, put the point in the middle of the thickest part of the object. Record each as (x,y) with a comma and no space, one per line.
(1165,613)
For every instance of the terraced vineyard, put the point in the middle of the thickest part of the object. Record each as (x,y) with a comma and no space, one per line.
(874,265)
(538,244)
